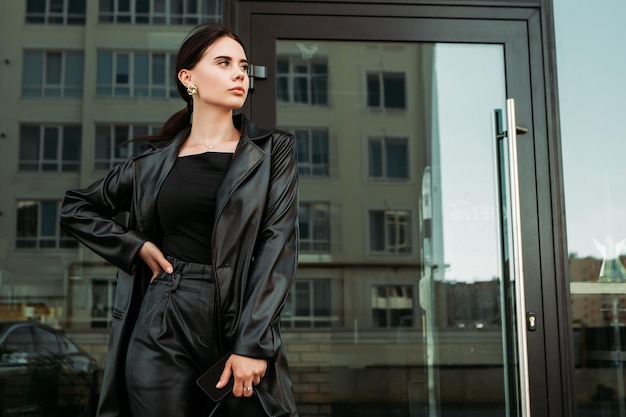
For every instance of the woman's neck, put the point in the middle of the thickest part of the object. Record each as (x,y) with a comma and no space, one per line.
(209,129)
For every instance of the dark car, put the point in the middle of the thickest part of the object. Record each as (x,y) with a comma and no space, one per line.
(43,373)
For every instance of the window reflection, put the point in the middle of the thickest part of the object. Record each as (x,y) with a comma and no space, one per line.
(301,82)
(594,199)
(313,151)
(392,306)
(390,231)
(386,90)
(406,225)
(388,158)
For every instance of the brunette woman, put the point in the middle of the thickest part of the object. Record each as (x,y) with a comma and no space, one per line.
(209,252)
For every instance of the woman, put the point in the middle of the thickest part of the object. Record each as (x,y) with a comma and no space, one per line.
(209,252)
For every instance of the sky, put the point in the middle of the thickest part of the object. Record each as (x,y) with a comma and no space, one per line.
(470,86)
(591,67)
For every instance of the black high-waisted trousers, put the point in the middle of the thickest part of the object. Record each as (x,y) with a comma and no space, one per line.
(173,343)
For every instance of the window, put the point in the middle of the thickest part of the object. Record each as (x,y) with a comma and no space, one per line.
(392,306)
(312,152)
(308,305)
(47,342)
(50,148)
(164,12)
(386,90)
(59,12)
(301,81)
(21,338)
(388,158)
(110,149)
(38,226)
(52,74)
(102,296)
(67,346)
(390,231)
(314,227)
(136,74)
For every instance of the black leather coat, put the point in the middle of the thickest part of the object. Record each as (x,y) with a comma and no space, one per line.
(255,245)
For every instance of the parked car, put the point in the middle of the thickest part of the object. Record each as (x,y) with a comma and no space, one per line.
(43,373)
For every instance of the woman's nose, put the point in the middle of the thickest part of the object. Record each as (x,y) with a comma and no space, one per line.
(240,73)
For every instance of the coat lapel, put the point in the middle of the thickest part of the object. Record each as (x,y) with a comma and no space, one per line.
(151,171)
(247,157)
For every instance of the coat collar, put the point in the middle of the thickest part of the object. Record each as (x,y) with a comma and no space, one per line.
(152,172)
(249,131)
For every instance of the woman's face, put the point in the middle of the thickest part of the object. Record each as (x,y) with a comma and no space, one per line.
(221,75)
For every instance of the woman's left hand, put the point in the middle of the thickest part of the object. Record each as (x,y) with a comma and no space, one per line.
(246,372)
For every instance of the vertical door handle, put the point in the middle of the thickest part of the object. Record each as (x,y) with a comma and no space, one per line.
(516,259)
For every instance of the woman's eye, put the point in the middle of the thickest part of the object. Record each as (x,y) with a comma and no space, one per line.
(244,68)
(224,63)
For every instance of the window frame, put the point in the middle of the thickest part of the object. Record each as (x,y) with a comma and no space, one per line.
(308,168)
(168,87)
(295,322)
(313,241)
(292,76)
(105,164)
(384,145)
(50,17)
(166,17)
(43,88)
(382,90)
(101,319)
(41,241)
(387,238)
(388,308)
(62,144)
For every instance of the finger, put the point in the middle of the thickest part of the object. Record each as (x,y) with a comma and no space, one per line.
(226,374)
(160,262)
(165,265)
(248,389)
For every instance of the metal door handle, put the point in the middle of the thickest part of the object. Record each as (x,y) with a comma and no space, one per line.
(516,260)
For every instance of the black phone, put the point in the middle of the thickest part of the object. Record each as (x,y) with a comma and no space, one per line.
(208,380)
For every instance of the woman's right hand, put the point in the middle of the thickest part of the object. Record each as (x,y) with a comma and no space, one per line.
(153,257)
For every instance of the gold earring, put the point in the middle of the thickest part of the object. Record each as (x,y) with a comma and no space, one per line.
(192,89)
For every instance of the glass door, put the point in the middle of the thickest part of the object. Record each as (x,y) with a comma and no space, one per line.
(408,301)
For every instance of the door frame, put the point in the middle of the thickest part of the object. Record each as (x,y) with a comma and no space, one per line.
(551,346)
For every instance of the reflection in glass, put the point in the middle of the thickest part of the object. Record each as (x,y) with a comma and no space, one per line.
(591,97)
(400,271)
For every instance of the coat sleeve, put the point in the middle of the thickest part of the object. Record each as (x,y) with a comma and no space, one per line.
(276,257)
(88,215)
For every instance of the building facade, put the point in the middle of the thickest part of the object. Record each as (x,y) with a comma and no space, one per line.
(438,154)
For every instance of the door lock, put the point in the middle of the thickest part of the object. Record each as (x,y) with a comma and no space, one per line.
(531,320)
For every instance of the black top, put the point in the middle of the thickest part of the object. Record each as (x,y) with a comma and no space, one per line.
(186,205)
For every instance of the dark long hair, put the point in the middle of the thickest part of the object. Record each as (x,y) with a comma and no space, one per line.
(189,54)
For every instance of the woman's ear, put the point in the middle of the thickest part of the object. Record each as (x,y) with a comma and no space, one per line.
(184,76)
